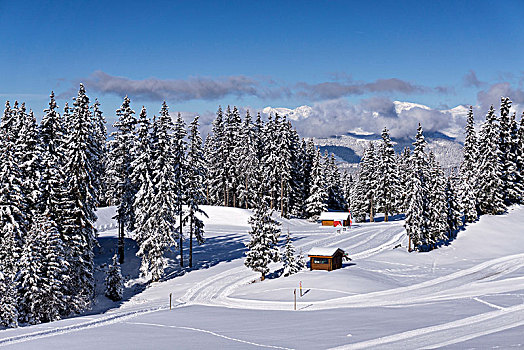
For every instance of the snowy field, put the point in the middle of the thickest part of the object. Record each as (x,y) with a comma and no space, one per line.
(469,294)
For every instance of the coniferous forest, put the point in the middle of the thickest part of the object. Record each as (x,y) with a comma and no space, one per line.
(158,172)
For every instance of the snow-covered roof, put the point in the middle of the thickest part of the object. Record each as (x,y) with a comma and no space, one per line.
(334,215)
(323,251)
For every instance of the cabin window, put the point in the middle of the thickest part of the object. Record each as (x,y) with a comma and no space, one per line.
(320,261)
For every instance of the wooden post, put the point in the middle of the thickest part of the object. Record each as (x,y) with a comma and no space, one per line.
(300,288)
(295,292)
(191,239)
(170,300)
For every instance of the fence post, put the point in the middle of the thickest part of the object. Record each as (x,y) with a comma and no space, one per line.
(301,289)
(170,300)
(295,292)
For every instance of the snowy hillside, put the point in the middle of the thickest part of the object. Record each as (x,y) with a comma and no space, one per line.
(466,295)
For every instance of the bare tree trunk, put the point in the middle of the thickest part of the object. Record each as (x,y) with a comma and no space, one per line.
(371,216)
(191,240)
(246,199)
(181,239)
(281,197)
(225,194)
(409,247)
(120,241)
(386,214)
(234,199)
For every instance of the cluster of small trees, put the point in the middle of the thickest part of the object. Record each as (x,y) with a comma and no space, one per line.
(490,178)
(247,160)
(49,188)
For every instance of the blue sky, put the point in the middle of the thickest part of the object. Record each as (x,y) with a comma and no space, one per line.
(199,54)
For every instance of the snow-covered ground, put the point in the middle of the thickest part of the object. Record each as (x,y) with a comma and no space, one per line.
(469,294)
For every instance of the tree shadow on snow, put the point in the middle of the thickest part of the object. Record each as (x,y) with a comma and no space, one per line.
(215,250)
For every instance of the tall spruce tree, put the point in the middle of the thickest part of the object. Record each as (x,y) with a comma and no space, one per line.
(468,171)
(195,191)
(417,213)
(157,201)
(122,189)
(364,195)
(80,160)
(436,196)
(490,185)
(180,165)
(453,216)
(316,201)
(388,181)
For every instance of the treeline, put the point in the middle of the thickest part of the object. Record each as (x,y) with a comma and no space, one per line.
(489,180)
(247,160)
(156,171)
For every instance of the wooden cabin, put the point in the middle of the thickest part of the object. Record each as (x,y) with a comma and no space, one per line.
(325,258)
(335,218)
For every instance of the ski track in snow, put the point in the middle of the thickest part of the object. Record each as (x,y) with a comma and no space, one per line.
(211,333)
(448,333)
(98,322)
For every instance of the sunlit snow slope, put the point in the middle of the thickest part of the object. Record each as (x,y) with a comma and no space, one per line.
(468,294)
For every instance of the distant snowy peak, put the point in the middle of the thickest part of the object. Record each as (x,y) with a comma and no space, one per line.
(406,106)
(302,112)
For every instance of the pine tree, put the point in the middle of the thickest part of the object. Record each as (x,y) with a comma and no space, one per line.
(520,157)
(515,185)
(437,214)
(120,169)
(249,179)
(504,145)
(453,217)
(156,201)
(81,233)
(114,281)
(264,238)
(404,171)
(364,194)
(316,201)
(99,137)
(13,226)
(388,182)
(27,155)
(292,265)
(468,171)
(215,156)
(179,149)
(195,191)
(417,213)
(490,185)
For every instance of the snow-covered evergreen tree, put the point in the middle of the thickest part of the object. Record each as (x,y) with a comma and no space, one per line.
(114,281)
(80,160)
(417,213)
(388,186)
(520,157)
(436,196)
(453,216)
(179,152)
(404,171)
(316,202)
(156,202)
(119,170)
(215,157)
(100,150)
(515,185)
(364,195)
(194,189)
(27,155)
(292,264)
(468,171)
(490,185)
(42,273)
(264,233)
